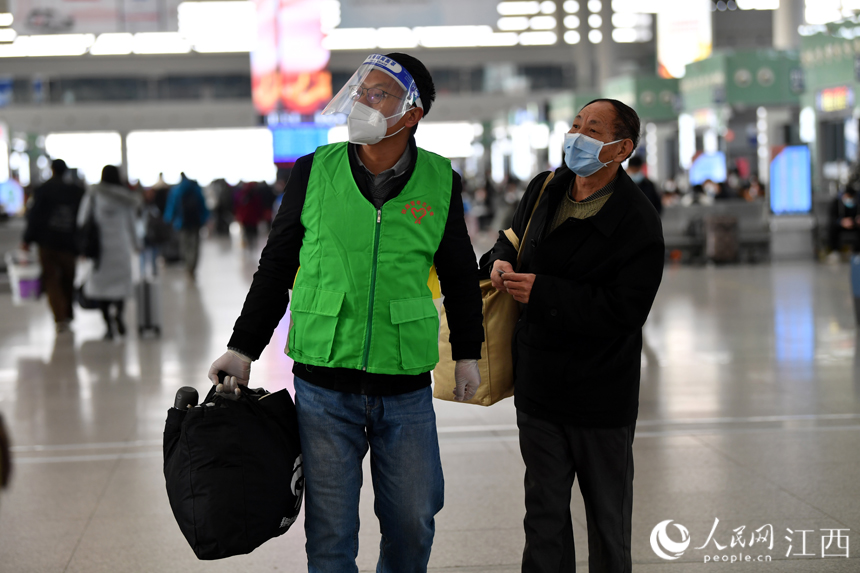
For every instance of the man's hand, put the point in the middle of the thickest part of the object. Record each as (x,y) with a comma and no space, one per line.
(238,369)
(847,222)
(467,378)
(499,268)
(519,285)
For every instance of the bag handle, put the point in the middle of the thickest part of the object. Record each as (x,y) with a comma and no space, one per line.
(528,225)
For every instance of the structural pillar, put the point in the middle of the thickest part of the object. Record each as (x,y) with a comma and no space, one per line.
(786,20)
(123,136)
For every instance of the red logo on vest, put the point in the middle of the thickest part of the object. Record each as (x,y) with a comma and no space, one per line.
(419,210)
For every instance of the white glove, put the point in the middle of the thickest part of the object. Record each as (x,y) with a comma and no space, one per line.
(238,369)
(467,378)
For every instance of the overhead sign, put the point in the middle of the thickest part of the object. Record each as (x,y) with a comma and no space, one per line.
(35,17)
(835,99)
(684,35)
(412,13)
(288,64)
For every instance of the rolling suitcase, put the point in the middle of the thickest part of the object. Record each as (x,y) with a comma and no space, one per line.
(148,297)
(721,238)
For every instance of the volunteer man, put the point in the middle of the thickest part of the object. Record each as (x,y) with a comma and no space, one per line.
(367,221)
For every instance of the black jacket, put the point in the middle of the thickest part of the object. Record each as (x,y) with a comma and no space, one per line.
(578,342)
(52,217)
(650,190)
(267,299)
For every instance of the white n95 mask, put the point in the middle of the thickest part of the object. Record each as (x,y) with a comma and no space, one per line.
(582,154)
(367,126)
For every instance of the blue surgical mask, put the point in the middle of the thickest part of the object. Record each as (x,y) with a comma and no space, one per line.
(582,154)
(637,177)
(848,202)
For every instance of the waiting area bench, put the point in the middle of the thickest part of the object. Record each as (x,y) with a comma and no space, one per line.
(684,229)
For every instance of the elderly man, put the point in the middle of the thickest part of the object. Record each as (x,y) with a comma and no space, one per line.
(590,270)
(366,222)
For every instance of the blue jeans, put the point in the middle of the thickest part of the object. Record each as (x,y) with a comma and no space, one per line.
(336,430)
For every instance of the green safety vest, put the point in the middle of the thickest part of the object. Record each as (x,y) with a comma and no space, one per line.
(362,299)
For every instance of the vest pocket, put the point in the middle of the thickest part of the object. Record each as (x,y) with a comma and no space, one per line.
(418,324)
(314,318)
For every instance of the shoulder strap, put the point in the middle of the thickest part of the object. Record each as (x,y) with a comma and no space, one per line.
(528,225)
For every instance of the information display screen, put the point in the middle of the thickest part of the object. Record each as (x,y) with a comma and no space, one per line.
(290,142)
(11,197)
(791,181)
(708,166)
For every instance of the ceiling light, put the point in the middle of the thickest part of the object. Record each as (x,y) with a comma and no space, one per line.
(398,37)
(595,36)
(572,37)
(60,44)
(112,45)
(513,24)
(640,6)
(6,19)
(595,21)
(160,43)
(571,22)
(624,35)
(538,38)
(17,49)
(518,8)
(350,39)
(452,36)
(624,19)
(542,23)
(571,6)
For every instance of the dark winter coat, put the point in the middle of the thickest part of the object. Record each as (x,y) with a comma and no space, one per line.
(577,345)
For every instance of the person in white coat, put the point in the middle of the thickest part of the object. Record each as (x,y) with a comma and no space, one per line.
(113,206)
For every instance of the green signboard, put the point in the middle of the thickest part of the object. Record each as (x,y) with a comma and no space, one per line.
(749,78)
(831,67)
(653,98)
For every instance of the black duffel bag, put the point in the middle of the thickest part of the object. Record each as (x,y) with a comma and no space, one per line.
(234,471)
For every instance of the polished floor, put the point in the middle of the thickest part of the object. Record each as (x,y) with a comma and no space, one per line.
(748,437)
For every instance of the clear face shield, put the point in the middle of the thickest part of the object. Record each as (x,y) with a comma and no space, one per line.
(375,98)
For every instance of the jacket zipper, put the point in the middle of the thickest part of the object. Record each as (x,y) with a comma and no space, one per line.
(372,291)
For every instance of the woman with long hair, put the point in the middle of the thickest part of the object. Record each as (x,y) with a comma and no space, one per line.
(113,205)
